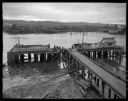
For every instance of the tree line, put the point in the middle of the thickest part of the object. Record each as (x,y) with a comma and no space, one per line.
(49,27)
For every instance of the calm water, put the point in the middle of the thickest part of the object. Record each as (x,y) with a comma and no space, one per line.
(66,40)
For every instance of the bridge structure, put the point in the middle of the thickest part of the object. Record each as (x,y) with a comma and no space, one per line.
(108,85)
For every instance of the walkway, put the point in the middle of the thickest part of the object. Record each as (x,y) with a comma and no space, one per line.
(113,81)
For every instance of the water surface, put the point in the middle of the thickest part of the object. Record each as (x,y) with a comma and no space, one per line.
(65,39)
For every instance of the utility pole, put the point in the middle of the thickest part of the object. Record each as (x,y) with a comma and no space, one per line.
(46,57)
(86,37)
(18,40)
(83,38)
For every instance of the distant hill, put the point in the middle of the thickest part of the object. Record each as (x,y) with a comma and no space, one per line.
(50,27)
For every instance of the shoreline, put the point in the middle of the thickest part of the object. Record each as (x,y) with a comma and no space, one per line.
(73,32)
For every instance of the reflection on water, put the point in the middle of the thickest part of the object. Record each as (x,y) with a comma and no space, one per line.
(66,40)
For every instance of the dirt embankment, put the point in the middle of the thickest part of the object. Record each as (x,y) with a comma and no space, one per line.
(46,87)
(54,85)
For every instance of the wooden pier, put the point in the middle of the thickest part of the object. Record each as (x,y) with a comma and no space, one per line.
(32,53)
(79,61)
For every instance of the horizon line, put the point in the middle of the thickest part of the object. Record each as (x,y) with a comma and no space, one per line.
(66,21)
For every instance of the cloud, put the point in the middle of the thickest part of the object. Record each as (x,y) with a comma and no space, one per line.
(26,18)
(72,12)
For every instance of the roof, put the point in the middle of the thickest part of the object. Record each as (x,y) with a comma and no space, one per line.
(109,40)
(117,84)
(99,45)
(31,48)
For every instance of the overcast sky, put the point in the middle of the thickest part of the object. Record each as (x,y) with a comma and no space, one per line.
(113,13)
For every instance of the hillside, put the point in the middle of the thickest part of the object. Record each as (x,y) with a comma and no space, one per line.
(50,27)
